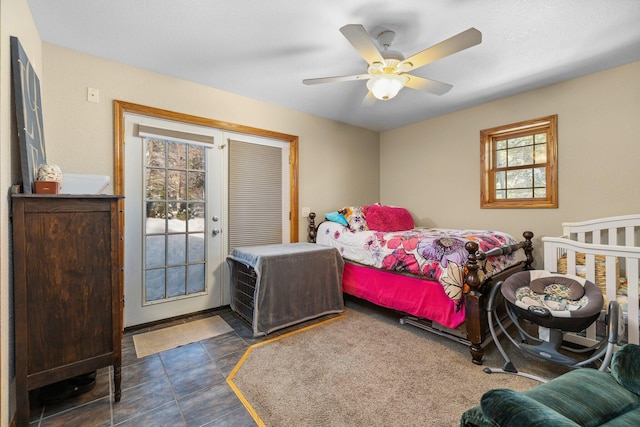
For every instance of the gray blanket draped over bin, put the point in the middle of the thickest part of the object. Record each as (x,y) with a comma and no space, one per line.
(295,282)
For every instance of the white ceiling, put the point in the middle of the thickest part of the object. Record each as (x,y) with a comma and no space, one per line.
(264,49)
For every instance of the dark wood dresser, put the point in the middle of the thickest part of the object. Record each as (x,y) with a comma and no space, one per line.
(67,290)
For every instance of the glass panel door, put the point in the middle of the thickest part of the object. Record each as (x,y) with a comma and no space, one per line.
(175,252)
(174,246)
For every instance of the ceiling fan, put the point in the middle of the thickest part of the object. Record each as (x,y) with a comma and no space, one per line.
(388,69)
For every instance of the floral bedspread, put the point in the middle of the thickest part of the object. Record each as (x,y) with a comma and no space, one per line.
(437,254)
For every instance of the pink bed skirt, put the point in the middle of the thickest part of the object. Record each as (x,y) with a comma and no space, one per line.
(418,297)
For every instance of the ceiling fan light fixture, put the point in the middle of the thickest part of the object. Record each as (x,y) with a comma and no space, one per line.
(386,86)
(387,71)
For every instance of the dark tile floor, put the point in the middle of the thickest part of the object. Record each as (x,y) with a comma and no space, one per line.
(185,386)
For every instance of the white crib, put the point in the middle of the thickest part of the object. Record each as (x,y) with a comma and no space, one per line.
(613,246)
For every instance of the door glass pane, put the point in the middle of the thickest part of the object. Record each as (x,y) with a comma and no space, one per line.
(177,154)
(154,251)
(176,212)
(155,153)
(195,217)
(176,282)
(155,184)
(196,247)
(196,278)
(177,185)
(156,218)
(196,157)
(176,249)
(154,285)
(175,230)
(196,185)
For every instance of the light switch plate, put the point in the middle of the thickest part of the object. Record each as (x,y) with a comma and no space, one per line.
(93,95)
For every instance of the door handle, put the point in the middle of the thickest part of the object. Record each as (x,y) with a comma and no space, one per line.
(215,232)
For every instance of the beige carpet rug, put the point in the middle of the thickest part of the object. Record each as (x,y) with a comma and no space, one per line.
(175,336)
(364,369)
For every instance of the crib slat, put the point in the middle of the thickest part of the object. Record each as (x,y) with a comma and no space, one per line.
(632,292)
(629,236)
(611,278)
(596,237)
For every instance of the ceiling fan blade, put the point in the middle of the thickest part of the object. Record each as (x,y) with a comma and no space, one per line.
(336,79)
(462,41)
(359,38)
(427,85)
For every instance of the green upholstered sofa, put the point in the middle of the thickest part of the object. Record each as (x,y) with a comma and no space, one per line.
(583,397)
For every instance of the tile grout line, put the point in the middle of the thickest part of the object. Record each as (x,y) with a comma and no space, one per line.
(173,392)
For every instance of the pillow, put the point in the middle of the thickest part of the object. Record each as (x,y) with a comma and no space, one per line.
(355,218)
(336,217)
(388,218)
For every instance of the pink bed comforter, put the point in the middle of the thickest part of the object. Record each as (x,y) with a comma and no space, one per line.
(437,255)
(412,295)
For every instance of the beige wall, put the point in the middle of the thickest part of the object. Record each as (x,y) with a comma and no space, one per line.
(15,20)
(598,155)
(334,159)
(79,134)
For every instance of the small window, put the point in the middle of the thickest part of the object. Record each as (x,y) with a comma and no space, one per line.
(519,165)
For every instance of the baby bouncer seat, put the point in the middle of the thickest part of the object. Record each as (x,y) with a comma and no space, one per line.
(556,303)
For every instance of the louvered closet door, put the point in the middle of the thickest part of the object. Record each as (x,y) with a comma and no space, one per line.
(258,212)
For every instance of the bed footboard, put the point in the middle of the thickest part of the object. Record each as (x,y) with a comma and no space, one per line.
(474,289)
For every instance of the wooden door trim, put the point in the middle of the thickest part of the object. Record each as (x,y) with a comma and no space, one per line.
(123,107)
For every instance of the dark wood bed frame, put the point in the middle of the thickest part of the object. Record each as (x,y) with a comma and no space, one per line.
(474,332)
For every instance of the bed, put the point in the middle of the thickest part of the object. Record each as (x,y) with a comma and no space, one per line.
(607,252)
(436,278)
